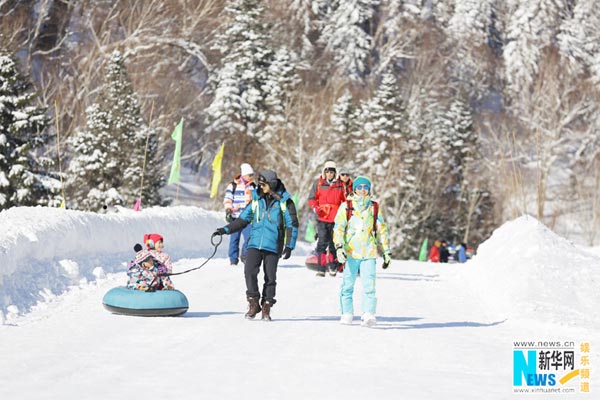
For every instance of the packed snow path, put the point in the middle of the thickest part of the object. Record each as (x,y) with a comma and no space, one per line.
(431,341)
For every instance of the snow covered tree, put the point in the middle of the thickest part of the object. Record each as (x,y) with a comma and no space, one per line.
(239,103)
(382,118)
(109,154)
(282,79)
(346,34)
(94,174)
(531,25)
(579,38)
(469,22)
(132,132)
(24,176)
(460,195)
(343,124)
(309,14)
(412,201)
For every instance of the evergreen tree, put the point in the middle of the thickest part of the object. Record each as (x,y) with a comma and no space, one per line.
(382,123)
(24,176)
(413,173)
(579,38)
(309,14)
(343,124)
(460,147)
(109,154)
(531,26)
(469,22)
(94,176)
(128,125)
(281,80)
(239,103)
(346,34)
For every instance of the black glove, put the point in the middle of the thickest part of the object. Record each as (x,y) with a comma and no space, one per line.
(228,216)
(286,253)
(219,232)
(387,259)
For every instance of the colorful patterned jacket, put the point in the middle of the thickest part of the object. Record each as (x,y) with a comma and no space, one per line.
(356,236)
(163,259)
(140,278)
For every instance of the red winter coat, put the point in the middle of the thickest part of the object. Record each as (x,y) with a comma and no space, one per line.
(434,254)
(325,198)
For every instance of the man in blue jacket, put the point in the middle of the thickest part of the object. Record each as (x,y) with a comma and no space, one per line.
(272,214)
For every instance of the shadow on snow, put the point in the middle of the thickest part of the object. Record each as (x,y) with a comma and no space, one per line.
(199,314)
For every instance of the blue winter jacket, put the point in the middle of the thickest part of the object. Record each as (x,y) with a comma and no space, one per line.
(265,219)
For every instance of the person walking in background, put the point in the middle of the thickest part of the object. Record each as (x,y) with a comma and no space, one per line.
(434,253)
(357,233)
(346,180)
(461,252)
(326,195)
(272,215)
(444,252)
(237,196)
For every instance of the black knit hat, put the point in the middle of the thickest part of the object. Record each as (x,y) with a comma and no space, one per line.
(270,178)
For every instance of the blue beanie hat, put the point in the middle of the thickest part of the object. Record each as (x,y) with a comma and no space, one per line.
(361,180)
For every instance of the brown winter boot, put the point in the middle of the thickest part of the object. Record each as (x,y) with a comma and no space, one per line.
(253,307)
(266,311)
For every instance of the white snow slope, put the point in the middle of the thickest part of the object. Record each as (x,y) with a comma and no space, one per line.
(445,331)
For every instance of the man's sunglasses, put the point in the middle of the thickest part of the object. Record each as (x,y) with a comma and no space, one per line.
(332,170)
(362,187)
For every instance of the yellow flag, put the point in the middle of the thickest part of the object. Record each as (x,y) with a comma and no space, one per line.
(216,167)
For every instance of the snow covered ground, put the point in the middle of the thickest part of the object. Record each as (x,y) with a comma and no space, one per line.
(444,330)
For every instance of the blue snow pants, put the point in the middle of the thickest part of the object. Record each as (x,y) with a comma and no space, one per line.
(367,277)
(234,243)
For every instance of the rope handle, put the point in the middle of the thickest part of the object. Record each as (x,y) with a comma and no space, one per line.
(216,245)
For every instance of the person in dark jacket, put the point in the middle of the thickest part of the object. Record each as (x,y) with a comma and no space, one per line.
(444,252)
(346,180)
(272,214)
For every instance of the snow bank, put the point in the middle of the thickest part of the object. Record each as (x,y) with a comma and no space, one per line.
(50,249)
(524,270)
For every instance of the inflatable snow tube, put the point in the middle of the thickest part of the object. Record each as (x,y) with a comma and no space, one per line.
(312,262)
(162,303)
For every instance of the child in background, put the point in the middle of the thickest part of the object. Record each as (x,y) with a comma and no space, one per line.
(155,245)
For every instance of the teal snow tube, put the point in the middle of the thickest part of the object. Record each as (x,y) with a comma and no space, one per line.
(162,303)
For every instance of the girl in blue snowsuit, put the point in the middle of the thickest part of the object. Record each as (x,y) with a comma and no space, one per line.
(272,214)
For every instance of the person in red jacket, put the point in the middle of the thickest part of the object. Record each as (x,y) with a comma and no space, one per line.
(325,197)
(434,253)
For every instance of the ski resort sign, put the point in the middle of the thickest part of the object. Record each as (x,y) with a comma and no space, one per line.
(551,367)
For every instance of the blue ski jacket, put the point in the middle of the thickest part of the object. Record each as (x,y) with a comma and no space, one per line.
(271,220)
